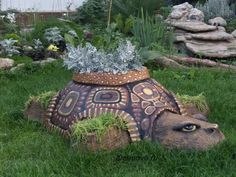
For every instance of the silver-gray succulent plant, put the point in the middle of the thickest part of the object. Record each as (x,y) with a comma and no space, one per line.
(8,48)
(216,8)
(88,59)
(53,35)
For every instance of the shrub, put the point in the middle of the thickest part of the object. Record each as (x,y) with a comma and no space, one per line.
(132,7)
(215,8)
(88,59)
(92,11)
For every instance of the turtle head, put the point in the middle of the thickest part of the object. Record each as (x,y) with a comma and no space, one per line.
(178,131)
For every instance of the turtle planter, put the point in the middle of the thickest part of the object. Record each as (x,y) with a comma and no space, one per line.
(149,110)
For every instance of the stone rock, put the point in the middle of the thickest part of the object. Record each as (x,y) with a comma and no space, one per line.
(195,27)
(194,36)
(218,21)
(185,12)
(221,28)
(213,36)
(6,63)
(212,49)
(179,11)
(196,15)
(44,62)
(234,33)
(17,67)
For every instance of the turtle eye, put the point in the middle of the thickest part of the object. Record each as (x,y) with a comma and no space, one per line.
(189,128)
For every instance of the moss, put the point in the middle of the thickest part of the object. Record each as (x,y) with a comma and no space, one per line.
(43,99)
(199,101)
(98,125)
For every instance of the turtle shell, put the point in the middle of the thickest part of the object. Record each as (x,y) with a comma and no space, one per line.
(133,97)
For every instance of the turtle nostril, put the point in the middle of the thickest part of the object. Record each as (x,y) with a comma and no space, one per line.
(210,130)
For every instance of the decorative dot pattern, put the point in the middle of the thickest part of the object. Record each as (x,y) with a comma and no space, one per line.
(111,79)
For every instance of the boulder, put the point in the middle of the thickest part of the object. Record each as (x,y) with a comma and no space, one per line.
(6,63)
(218,21)
(185,12)
(196,15)
(213,36)
(234,33)
(180,11)
(194,36)
(221,28)
(220,49)
(194,27)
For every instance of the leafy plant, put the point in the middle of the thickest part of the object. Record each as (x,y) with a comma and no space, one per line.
(215,8)
(133,7)
(53,35)
(124,25)
(98,125)
(12,36)
(89,59)
(8,47)
(148,30)
(38,45)
(92,11)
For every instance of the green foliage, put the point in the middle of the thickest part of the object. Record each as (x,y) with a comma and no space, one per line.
(64,27)
(12,36)
(41,26)
(132,7)
(124,25)
(43,99)
(108,39)
(92,11)
(231,25)
(199,101)
(150,32)
(98,125)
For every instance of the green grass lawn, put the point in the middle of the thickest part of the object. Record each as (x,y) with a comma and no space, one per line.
(28,150)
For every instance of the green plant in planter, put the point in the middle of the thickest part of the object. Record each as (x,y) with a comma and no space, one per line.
(88,59)
(43,99)
(199,101)
(99,126)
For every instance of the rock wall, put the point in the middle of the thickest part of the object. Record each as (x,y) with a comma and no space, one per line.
(207,40)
